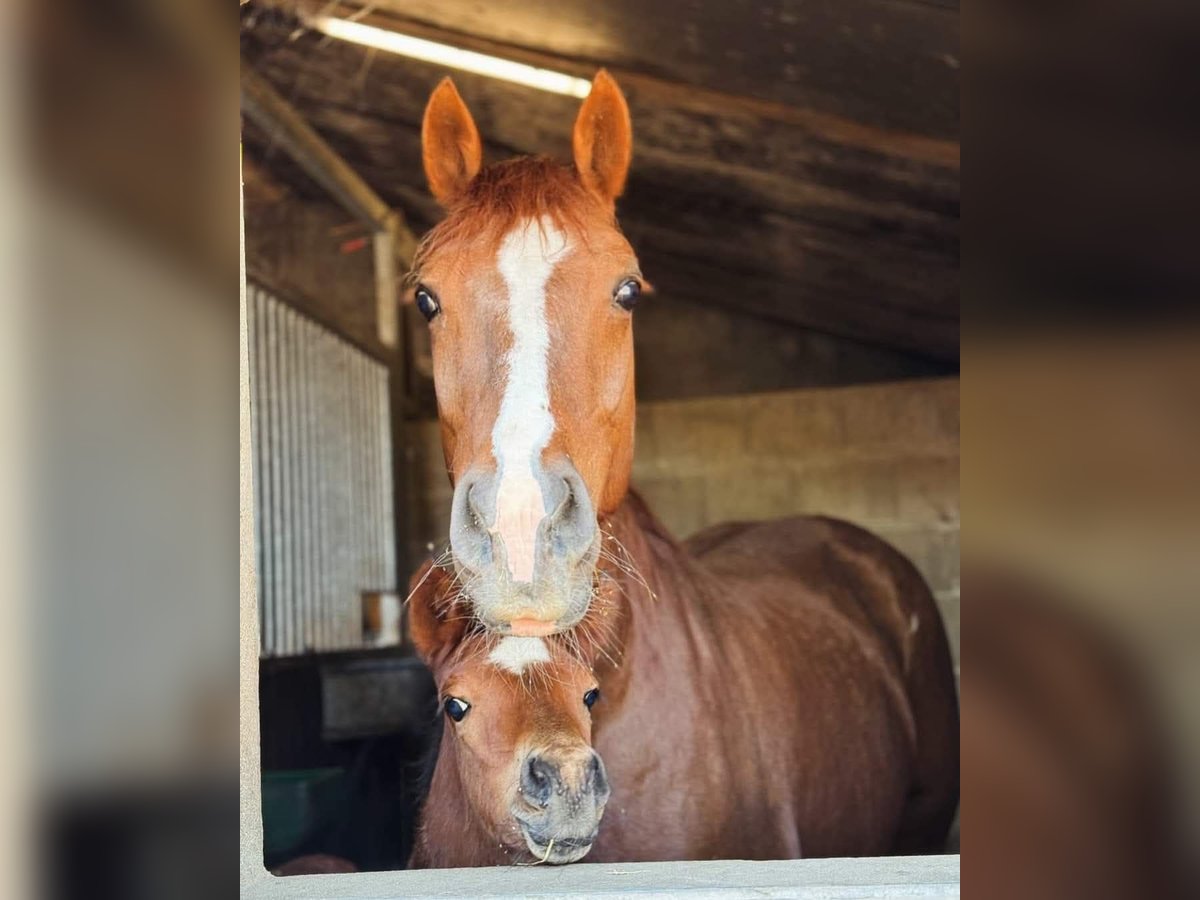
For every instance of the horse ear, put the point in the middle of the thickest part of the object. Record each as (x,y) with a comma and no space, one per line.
(435,623)
(603,139)
(450,145)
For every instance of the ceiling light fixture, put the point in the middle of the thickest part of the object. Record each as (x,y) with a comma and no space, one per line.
(452,57)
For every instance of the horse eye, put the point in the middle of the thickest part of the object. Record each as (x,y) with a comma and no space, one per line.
(590,698)
(456,708)
(627,293)
(427,303)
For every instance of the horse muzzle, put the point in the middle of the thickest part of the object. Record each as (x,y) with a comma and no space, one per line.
(525,547)
(561,801)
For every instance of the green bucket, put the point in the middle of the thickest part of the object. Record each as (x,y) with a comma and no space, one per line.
(296,803)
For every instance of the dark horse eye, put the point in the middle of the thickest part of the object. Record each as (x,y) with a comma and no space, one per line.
(456,708)
(590,698)
(427,303)
(627,293)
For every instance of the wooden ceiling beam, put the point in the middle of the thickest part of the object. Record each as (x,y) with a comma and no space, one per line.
(759,216)
(656,90)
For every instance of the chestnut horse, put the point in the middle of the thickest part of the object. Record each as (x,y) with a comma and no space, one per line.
(790,689)
(765,691)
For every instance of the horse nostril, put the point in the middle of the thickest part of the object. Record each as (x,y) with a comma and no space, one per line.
(473,508)
(572,517)
(596,779)
(537,780)
(564,502)
(469,537)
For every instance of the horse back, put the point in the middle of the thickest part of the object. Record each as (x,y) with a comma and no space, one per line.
(879,592)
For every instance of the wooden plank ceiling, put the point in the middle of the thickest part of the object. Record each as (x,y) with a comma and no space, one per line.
(795,160)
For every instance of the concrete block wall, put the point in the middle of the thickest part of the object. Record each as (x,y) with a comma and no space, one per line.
(882,456)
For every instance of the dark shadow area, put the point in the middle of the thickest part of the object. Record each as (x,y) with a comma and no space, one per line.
(344,743)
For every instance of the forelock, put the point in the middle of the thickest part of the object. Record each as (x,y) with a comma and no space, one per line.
(501,195)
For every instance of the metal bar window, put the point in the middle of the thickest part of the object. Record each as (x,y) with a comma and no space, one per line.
(322,446)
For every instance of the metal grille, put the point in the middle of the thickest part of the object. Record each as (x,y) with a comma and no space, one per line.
(323,480)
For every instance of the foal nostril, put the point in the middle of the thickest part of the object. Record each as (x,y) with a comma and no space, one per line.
(539,779)
(597,779)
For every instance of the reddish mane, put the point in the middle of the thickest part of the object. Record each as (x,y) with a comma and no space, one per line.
(528,187)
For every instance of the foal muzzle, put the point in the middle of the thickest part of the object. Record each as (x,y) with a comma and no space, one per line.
(560,803)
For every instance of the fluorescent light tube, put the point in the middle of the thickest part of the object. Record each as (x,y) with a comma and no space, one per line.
(452,57)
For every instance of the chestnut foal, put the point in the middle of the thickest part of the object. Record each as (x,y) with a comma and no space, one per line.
(516,777)
(789,688)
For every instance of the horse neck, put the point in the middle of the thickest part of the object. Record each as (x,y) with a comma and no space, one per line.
(657,592)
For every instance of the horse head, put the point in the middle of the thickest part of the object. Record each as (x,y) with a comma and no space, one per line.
(516,744)
(528,287)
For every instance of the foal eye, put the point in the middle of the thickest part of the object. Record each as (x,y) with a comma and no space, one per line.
(456,708)
(427,303)
(590,698)
(627,293)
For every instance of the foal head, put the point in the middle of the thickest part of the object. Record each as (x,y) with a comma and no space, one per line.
(527,285)
(516,745)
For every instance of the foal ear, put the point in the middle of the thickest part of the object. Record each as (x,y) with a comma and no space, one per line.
(436,622)
(603,139)
(450,145)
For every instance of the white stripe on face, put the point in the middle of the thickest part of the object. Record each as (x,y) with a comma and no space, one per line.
(527,257)
(514,654)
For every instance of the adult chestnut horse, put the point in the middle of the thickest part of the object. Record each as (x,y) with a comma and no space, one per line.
(769,691)
(799,668)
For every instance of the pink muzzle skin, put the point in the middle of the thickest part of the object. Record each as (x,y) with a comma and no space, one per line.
(519,511)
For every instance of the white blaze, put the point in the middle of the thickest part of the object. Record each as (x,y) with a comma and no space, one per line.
(527,257)
(515,653)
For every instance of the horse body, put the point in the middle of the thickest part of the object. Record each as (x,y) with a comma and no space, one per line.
(784,690)
(833,581)
(770,682)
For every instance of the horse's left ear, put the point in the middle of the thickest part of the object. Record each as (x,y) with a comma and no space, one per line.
(436,623)
(603,139)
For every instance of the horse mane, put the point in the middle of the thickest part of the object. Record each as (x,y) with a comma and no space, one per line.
(647,520)
(528,187)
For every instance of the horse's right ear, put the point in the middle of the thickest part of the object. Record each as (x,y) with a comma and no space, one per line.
(436,622)
(450,145)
